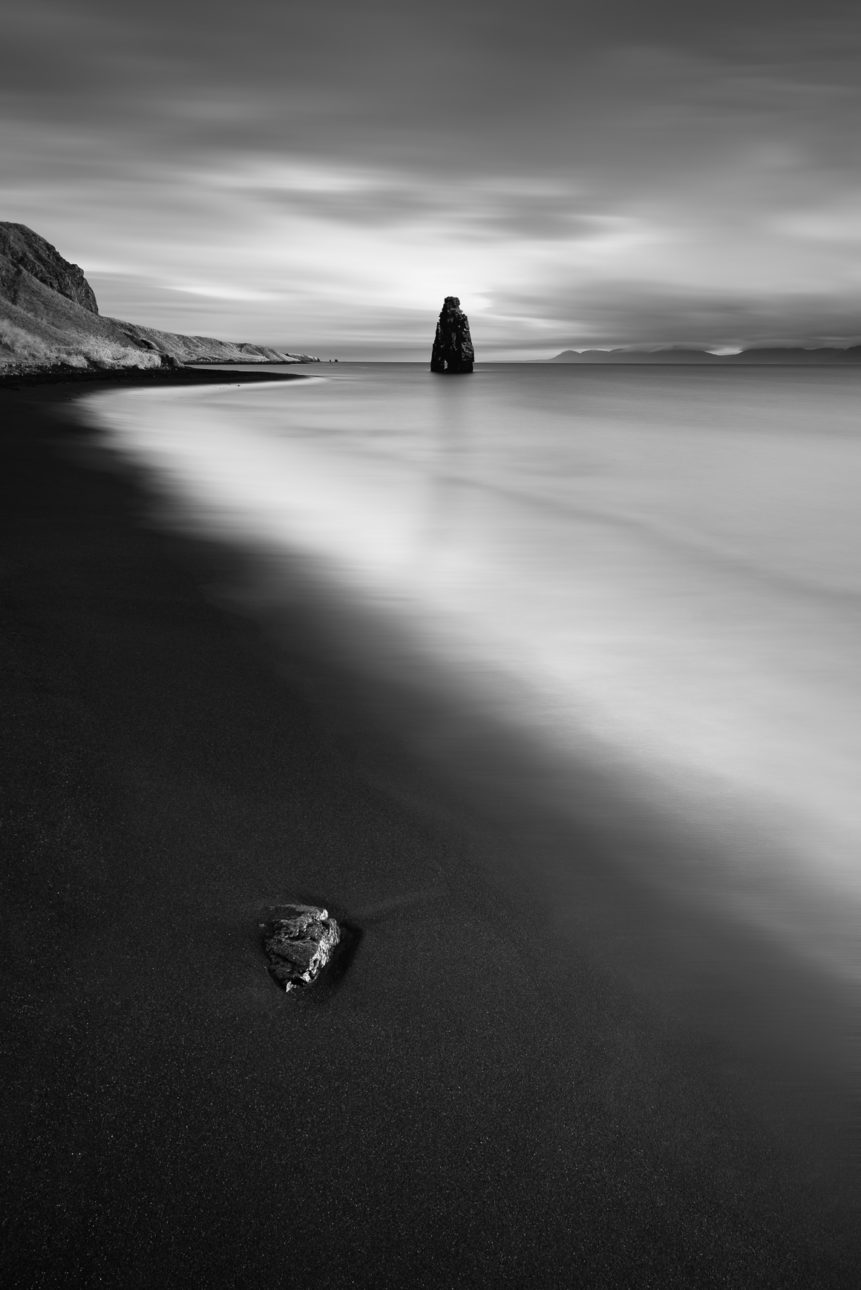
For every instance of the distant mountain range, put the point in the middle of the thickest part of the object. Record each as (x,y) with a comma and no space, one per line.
(780,356)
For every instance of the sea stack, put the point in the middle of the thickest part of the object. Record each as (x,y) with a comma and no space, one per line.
(452,346)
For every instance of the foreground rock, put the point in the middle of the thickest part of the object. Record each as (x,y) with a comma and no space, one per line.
(452,346)
(299,945)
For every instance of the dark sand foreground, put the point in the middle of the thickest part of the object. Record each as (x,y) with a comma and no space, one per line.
(450,1112)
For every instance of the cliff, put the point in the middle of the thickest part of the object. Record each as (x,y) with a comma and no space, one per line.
(49,317)
(25,256)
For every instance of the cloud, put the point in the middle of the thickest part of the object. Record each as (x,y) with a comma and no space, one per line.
(587,172)
(836,223)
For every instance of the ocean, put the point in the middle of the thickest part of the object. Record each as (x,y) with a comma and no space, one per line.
(644,578)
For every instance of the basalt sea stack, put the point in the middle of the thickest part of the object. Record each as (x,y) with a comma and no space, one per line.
(452,346)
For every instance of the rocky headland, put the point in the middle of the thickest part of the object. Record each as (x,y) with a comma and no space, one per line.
(49,319)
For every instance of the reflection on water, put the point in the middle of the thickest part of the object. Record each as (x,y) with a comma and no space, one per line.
(654,572)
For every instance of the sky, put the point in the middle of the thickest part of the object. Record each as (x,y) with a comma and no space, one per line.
(321,176)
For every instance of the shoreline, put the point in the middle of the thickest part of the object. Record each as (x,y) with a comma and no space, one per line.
(397,661)
(458,1111)
(147,376)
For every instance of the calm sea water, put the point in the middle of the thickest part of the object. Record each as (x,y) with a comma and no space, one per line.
(660,565)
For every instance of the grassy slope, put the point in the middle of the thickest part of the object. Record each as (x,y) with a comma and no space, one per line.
(39,327)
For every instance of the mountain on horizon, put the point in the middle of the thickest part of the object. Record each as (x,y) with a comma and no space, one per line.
(678,354)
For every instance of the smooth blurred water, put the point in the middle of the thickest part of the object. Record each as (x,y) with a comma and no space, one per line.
(658,563)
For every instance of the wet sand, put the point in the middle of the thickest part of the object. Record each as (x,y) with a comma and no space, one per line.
(454,1109)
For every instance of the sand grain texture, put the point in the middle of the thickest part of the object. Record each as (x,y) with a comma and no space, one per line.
(170,1118)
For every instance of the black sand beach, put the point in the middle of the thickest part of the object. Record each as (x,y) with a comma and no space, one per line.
(450,1110)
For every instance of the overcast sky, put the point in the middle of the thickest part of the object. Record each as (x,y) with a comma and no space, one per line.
(322,175)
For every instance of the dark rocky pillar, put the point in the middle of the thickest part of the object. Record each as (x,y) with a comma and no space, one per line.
(452,346)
